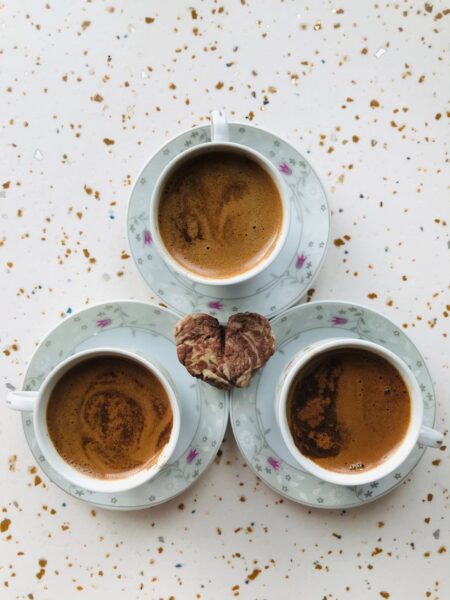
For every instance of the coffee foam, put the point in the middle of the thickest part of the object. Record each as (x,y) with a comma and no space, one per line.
(220,214)
(348,410)
(109,417)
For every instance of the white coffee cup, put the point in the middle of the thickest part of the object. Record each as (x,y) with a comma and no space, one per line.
(37,402)
(417,431)
(219,143)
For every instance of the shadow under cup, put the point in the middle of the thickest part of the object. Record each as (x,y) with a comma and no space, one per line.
(212,209)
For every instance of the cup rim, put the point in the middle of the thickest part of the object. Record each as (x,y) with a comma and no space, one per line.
(397,456)
(213,146)
(63,468)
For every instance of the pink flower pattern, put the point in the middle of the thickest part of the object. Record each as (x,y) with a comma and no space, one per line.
(274,463)
(285,168)
(301,259)
(102,323)
(147,238)
(216,304)
(339,320)
(191,455)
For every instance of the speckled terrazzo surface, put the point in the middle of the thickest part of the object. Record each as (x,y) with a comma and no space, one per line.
(89,90)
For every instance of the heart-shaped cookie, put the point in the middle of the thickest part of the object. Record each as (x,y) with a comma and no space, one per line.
(224,355)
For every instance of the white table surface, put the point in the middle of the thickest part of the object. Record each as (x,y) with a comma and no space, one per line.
(320,66)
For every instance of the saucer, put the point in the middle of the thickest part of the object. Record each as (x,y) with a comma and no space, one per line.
(291,274)
(145,329)
(253,413)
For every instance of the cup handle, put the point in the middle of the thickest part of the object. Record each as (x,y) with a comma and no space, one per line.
(20,400)
(430,437)
(219,127)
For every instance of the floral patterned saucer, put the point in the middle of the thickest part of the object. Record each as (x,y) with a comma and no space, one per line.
(289,276)
(252,409)
(145,329)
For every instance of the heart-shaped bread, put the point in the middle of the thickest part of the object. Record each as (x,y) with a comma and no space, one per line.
(224,355)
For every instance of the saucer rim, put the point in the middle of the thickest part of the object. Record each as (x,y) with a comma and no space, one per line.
(85,499)
(348,303)
(326,248)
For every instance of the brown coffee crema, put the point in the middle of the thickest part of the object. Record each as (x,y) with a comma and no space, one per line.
(220,214)
(109,417)
(348,410)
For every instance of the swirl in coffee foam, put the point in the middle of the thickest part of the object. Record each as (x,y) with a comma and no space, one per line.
(220,214)
(109,417)
(348,410)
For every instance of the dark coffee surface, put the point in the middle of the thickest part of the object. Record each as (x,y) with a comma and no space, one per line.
(109,417)
(348,410)
(220,214)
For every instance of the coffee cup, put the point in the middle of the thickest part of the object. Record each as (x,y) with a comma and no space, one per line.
(38,402)
(220,144)
(415,430)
